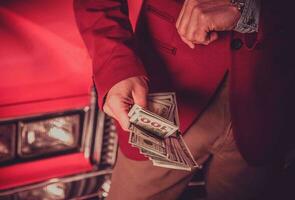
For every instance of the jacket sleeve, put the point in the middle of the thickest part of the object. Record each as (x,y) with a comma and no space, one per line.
(107,32)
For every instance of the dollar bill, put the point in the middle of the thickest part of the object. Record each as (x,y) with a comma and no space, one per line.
(141,142)
(172,165)
(134,109)
(153,123)
(155,131)
(176,151)
(186,152)
(147,136)
(168,97)
(150,154)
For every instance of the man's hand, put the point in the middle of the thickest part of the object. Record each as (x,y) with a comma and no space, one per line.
(199,20)
(122,96)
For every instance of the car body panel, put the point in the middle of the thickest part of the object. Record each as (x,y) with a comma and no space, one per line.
(44,68)
(43,58)
(40,170)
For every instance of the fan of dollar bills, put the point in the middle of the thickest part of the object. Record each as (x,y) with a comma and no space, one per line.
(156,133)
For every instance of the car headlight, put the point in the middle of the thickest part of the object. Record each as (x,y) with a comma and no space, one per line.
(7,143)
(50,135)
(50,192)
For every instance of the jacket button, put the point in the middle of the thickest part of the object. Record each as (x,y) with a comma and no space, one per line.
(236,44)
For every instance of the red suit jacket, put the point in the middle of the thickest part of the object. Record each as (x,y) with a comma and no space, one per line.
(141,39)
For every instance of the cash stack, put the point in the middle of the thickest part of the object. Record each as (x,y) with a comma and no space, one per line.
(155,131)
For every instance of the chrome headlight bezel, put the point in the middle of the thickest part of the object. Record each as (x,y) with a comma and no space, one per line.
(78,186)
(11,141)
(83,114)
(44,118)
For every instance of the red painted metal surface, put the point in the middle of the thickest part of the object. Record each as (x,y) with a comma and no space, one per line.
(41,170)
(42,57)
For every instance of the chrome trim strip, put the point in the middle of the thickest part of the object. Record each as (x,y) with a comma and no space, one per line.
(88,126)
(25,117)
(98,137)
(85,131)
(56,180)
(113,133)
(85,197)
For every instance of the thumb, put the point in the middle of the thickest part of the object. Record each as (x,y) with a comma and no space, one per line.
(139,96)
(211,37)
(118,108)
(189,43)
(123,119)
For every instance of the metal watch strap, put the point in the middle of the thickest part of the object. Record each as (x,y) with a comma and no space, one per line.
(249,20)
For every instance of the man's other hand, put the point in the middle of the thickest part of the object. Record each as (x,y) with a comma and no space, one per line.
(122,96)
(199,20)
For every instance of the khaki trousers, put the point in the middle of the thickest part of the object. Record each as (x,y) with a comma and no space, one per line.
(210,139)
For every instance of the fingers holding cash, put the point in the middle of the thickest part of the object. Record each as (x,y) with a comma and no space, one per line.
(122,96)
(156,133)
(118,110)
(152,121)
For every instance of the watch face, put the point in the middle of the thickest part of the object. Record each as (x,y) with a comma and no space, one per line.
(239,4)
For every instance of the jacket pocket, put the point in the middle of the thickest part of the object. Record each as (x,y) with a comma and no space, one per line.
(161,14)
(164,47)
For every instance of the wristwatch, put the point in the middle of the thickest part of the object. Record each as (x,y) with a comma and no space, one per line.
(239,4)
(249,20)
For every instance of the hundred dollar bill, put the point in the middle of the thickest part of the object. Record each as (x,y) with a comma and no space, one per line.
(164,163)
(168,97)
(162,104)
(137,109)
(176,152)
(147,136)
(153,123)
(141,142)
(164,96)
(134,109)
(186,152)
(172,154)
(161,108)
(179,151)
(150,154)
(155,132)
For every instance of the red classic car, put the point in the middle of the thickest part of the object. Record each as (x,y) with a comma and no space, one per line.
(54,143)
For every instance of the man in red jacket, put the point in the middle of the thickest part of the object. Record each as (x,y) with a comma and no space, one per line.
(224,63)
